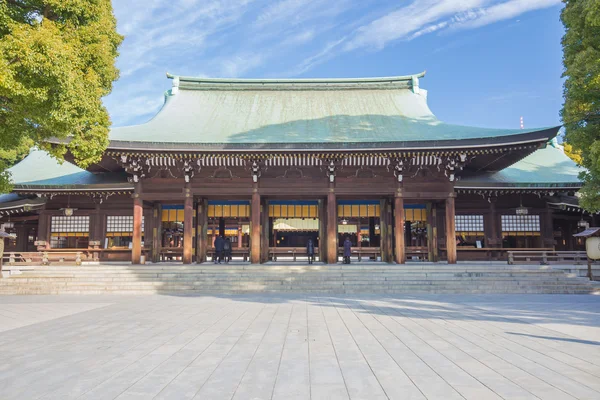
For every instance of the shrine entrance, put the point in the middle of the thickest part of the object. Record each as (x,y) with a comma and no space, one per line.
(292,223)
(417,232)
(229,219)
(360,222)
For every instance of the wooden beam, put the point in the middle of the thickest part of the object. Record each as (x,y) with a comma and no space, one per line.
(400,245)
(332,240)
(255,227)
(188,225)
(138,209)
(450,229)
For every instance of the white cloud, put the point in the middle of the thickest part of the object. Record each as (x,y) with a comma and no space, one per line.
(506,10)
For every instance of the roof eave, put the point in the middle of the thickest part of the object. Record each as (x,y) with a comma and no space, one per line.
(540,136)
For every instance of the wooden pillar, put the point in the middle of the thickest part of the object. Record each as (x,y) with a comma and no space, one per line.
(399,243)
(201,230)
(138,211)
(386,231)
(450,229)
(43,231)
(255,227)
(265,231)
(434,234)
(548,228)
(96,231)
(188,225)
(429,209)
(332,240)
(156,231)
(322,231)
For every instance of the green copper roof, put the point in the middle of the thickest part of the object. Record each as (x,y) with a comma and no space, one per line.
(547,167)
(369,112)
(39,169)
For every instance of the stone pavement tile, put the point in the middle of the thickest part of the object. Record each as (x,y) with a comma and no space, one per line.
(359,378)
(151,384)
(484,374)
(211,347)
(394,381)
(445,368)
(538,339)
(136,364)
(326,379)
(536,364)
(293,376)
(58,367)
(259,379)
(250,346)
(482,351)
(120,355)
(421,375)
(224,381)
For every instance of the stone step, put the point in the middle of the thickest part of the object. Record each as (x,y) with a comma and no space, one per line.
(375,278)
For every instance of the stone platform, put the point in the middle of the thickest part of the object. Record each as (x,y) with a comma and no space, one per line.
(282,277)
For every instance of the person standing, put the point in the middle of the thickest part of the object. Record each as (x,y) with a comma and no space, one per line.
(310,251)
(227,249)
(219,244)
(347,250)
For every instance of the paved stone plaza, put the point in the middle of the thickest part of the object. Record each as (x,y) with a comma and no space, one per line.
(300,347)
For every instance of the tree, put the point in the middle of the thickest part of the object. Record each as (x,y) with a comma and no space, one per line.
(57,61)
(581,109)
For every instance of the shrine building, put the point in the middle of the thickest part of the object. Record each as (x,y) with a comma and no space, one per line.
(272,163)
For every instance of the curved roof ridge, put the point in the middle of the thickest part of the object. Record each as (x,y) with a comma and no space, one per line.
(299,81)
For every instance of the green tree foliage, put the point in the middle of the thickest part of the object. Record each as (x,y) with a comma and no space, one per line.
(57,61)
(581,110)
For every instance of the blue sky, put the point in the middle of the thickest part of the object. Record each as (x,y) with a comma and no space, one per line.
(488,62)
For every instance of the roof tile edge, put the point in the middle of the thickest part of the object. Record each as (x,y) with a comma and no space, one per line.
(386,79)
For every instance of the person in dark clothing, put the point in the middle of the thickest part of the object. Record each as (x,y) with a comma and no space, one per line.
(227,249)
(219,244)
(347,250)
(310,251)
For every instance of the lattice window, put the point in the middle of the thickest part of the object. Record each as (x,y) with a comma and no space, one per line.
(76,224)
(469,223)
(520,224)
(120,225)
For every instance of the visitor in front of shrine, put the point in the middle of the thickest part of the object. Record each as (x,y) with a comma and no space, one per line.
(227,249)
(310,251)
(347,250)
(219,245)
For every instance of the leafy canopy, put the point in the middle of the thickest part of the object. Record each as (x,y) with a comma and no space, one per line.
(57,61)
(581,110)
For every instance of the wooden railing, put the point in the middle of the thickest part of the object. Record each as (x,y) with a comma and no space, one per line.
(547,257)
(293,252)
(243,252)
(362,252)
(42,257)
(487,253)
